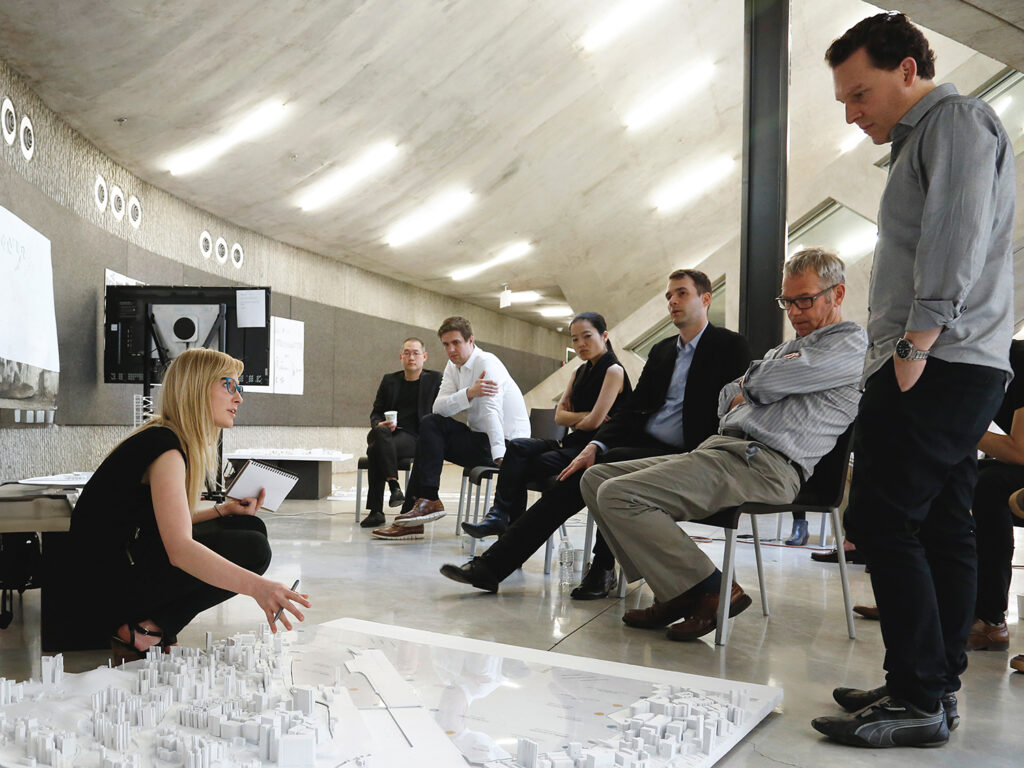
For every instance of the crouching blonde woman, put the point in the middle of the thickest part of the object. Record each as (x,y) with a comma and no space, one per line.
(154,554)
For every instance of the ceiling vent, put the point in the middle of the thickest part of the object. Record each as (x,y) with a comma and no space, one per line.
(117,202)
(222,250)
(206,244)
(28,138)
(237,256)
(134,211)
(10,122)
(99,193)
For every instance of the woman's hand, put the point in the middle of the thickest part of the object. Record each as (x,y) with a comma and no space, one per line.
(273,596)
(248,506)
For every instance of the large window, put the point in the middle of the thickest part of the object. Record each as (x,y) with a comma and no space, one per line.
(716,315)
(837,228)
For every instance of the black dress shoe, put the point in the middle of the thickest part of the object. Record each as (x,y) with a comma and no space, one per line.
(397,498)
(852,556)
(888,722)
(494,524)
(372,520)
(854,699)
(596,584)
(475,573)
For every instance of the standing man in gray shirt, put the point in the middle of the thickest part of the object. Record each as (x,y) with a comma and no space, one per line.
(776,422)
(940,322)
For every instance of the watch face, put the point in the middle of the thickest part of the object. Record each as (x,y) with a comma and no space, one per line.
(903,349)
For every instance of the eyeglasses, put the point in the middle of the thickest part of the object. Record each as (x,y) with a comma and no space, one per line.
(801,302)
(232,386)
(411,353)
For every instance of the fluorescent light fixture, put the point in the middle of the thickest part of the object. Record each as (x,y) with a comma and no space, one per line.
(623,16)
(858,245)
(555,311)
(689,186)
(661,102)
(432,215)
(524,297)
(338,182)
(259,121)
(852,141)
(1001,105)
(510,252)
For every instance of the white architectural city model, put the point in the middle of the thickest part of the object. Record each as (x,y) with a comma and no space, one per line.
(353,693)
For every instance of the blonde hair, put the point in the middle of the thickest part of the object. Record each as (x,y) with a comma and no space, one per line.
(185,409)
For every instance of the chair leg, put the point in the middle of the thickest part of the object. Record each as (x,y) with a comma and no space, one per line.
(476,519)
(359,494)
(823,534)
(728,567)
(760,565)
(622,585)
(778,527)
(588,541)
(847,600)
(549,548)
(462,501)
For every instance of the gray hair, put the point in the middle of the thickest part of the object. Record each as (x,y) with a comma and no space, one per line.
(826,265)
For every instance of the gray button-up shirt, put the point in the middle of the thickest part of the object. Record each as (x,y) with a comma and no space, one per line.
(944,256)
(802,395)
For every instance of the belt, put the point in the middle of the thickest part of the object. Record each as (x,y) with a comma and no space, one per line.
(741,435)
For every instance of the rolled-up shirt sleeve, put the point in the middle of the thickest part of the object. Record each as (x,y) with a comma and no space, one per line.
(725,397)
(450,399)
(956,222)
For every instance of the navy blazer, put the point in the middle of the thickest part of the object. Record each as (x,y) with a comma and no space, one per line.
(721,356)
(387,394)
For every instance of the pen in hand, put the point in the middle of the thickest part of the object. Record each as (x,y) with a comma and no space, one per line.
(281,609)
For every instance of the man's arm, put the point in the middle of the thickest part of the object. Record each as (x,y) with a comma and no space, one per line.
(492,415)
(450,399)
(834,359)
(380,403)
(1008,448)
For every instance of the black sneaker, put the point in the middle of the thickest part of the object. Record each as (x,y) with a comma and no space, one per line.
(888,722)
(397,498)
(372,520)
(854,699)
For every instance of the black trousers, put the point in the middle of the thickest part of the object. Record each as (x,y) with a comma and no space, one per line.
(914,474)
(527,460)
(156,590)
(383,450)
(993,530)
(443,439)
(536,525)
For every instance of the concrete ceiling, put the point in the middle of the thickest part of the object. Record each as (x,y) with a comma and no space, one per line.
(496,97)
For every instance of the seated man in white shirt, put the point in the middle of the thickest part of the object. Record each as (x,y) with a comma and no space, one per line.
(476,382)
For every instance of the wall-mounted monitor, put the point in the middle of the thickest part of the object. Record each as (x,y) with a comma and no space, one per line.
(176,318)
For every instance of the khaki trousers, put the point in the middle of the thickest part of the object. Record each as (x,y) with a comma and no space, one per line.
(637,505)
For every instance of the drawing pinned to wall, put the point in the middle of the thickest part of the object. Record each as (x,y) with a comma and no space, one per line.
(29,358)
(286,360)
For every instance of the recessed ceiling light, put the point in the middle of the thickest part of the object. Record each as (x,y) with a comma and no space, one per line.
(619,20)
(555,311)
(259,121)
(338,182)
(852,141)
(432,215)
(689,186)
(656,105)
(508,253)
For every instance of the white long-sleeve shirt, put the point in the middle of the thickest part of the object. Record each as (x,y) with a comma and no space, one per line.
(502,416)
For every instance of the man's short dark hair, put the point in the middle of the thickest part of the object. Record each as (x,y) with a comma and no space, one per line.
(417,339)
(888,38)
(456,323)
(700,281)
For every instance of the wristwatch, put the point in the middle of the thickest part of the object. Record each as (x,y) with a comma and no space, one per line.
(905,350)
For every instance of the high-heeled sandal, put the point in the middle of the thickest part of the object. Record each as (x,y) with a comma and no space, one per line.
(122,651)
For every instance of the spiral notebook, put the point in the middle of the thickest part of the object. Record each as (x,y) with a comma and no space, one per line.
(253,476)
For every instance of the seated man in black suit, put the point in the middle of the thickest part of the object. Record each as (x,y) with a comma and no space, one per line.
(411,393)
(673,408)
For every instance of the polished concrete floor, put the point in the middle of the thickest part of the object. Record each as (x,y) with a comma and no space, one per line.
(802,647)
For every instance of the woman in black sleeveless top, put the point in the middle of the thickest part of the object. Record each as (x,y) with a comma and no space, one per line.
(151,557)
(598,388)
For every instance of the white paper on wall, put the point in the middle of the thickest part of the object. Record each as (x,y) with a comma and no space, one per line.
(251,308)
(286,355)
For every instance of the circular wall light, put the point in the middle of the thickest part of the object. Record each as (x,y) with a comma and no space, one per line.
(205,244)
(134,211)
(117,202)
(237,256)
(28,137)
(221,250)
(10,121)
(99,193)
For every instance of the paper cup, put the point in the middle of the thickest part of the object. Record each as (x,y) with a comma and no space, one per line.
(391,416)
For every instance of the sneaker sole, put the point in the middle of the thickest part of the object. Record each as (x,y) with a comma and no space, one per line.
(852,740)
(403,537)
(392,503)
(414,521)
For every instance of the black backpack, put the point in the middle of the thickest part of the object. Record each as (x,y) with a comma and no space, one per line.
(21,568)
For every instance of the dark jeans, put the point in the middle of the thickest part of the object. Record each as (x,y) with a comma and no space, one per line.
(536,525)
(154,589)
(913,484)
(993,530)
(443,438)
(527,460)
(383,450)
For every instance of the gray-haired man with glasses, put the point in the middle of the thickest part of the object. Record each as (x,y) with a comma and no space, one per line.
(776,422)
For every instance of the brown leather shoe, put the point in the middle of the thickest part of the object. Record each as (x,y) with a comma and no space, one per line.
(398,533)
(1017,662)
(705,616)
(867,611)
(423,511)
(1017,502)
(988,637)
(661,615)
